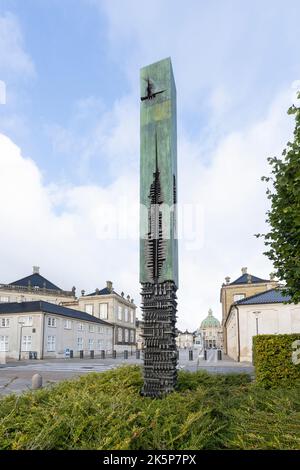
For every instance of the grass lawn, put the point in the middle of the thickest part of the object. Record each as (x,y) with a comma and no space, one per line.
(105,411)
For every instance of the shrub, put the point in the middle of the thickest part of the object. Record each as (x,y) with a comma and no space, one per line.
(272,357)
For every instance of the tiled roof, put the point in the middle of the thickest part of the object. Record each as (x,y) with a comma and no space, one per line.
(243,279)
(47,307)
(104,291)
(35,280)
(271,296)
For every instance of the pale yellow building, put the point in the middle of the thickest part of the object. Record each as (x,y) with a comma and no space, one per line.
(106,304)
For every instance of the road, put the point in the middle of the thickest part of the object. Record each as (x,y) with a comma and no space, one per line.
(15,377)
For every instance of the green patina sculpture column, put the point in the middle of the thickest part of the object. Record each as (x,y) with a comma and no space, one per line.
(158,235)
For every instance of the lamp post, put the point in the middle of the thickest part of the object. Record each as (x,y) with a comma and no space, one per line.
(21,323)
(256,313)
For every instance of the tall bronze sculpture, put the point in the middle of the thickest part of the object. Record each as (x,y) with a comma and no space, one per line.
(158,234)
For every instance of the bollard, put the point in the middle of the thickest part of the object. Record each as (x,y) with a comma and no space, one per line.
(190,355)
(92,354)
(71,354)
(81,354)
(114,354)
(36,381)
(138,354)
(102,354)
(219,355)
(125,354)
(205,354)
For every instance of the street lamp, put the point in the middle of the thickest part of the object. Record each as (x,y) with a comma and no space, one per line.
(256,313)
(21,323)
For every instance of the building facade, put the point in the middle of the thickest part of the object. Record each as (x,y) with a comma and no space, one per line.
(244,286)
(50,331)
(211,332)
(34,287)
(263,313)
(185,340)
(139,338)
(120,311)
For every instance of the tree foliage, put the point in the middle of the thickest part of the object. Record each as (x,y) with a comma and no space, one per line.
(283,239)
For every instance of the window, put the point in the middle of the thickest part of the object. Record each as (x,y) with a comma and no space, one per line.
(79,344)
(131,316)
(120,312)
(89,309)
(91,328)
(126,336)
(100,329)
(52,322)
(51,343)
(237,297)
(4,322)
(99,344)
(120,335)
(26,343)
(67,324)
(131,336)
(80,327)
(91,344)
(3,343)
(126,314)
(4,299)
(103,310)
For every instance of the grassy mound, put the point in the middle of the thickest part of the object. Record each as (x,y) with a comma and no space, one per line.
(106,411)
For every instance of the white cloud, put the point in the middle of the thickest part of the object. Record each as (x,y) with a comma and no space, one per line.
(61,228)
(13,58)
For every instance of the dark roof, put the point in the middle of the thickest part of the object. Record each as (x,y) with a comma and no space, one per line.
(35,280)
(271,296)
(243,279)
(47,307)
(104,291)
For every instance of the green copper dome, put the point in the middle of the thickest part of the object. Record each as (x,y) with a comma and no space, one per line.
(210,321)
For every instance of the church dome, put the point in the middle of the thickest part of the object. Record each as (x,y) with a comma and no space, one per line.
(210,321)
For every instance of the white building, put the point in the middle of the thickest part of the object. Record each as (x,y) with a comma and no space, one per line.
(211,332)
(185,340)
(48,330)
(262,313)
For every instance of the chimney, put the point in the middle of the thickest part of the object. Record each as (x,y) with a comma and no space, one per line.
(109,285)
(36,269)
(249,278)
(97,291)
(244,270)
(122,294)
(128,298)
(227,279)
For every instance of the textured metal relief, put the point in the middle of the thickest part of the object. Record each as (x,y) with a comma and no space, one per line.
(158,256)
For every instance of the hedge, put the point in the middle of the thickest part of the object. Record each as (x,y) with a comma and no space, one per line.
(276,360)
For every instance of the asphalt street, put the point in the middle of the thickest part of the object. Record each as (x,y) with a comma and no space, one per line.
(15,377)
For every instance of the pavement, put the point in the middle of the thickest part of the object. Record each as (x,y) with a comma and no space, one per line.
(15,377)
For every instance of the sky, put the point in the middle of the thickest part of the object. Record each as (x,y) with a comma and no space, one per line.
(69,136)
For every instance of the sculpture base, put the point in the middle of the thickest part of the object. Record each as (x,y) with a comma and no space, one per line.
(159,333)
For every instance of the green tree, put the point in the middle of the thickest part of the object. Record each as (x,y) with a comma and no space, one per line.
(283,239)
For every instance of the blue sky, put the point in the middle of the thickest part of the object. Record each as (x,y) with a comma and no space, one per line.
(71,70)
